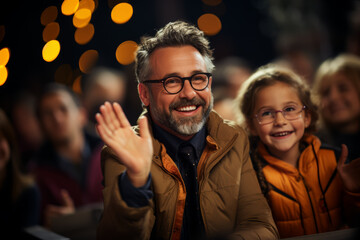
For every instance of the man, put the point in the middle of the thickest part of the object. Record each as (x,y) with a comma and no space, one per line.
(187,175)
(67,167)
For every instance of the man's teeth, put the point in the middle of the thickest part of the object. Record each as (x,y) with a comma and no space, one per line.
(281,134)
(187,108)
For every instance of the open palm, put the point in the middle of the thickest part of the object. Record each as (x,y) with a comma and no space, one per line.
(349,172)
(134,151)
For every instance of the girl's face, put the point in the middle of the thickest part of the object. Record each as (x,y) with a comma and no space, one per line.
(282,136)
(340,102)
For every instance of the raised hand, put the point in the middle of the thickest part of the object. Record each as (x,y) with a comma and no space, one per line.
(349,172)
(134,151)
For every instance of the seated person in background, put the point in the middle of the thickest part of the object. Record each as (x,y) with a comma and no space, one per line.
(100,85)
(187,175)
(337,90)
(308,186)
(19,195)
(67,167)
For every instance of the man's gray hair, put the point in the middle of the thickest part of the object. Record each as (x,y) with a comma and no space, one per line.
(174,34)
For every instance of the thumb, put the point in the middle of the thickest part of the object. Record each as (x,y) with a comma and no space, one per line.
(343,156)
(67,200)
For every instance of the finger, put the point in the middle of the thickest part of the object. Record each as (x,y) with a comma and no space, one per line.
(105,131)
(124,122)
(144,127)
(106,110)
(112,116)
(67,200)
(344,154)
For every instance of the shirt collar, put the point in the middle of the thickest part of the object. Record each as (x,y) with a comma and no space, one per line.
(173,143)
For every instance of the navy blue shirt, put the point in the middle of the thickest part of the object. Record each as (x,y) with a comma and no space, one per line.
(186,155)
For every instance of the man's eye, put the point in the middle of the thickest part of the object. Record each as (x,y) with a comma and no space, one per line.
(173,81)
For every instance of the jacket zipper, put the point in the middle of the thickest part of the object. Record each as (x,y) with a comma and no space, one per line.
(312,208)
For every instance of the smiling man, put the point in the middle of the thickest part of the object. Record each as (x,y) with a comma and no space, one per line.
(184,173)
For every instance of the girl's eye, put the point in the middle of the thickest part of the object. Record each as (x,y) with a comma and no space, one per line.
(265,113)
(289,109)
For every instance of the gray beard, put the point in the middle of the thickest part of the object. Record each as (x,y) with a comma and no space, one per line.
(187,126)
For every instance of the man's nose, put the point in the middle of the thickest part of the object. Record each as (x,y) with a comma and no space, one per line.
(187,91)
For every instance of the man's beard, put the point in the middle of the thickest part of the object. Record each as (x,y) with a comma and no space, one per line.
(187,125)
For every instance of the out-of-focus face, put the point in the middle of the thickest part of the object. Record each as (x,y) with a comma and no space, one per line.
(340,102)
(60,117)
(4,152)
(183,114)
(282,136)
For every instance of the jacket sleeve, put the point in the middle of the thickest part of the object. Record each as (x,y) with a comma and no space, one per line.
(119,221)
(254,217)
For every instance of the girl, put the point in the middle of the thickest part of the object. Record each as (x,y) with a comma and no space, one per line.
(307,190)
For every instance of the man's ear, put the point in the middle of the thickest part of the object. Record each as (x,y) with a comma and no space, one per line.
(144,94)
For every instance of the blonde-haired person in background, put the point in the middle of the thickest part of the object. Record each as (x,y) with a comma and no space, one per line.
(337,91)
(307,189)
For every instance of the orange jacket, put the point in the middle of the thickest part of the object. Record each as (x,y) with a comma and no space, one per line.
(308,199)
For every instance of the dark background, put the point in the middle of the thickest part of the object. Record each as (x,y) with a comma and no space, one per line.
(258,31)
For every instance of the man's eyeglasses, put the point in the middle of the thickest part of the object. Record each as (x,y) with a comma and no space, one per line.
(267,116)
(174,84)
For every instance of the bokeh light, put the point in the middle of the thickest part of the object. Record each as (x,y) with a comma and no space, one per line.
(2,32)
(4,56)
(87,4)
(84,35)
(87,60)
(51,31)
(69,7)
(121,13)
(77,85)
(49,15)
(82,18)
(212,2)
(210,24)
(3,75)
(51,50)
(125,52)
(64,74)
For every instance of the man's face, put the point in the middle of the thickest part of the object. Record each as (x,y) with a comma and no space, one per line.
(60,117)
(185,113)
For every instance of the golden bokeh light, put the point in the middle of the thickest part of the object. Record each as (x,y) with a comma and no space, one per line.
(51,31)
(82,18)
(49,15)
(77,85)
(69,7)
(125,52)
(3,75)
(64,74)
(212,2)
(4,56)
(2,32)
(210,24)
(121,13)
(87,4)
(51,50)
(87,60)
(84,35)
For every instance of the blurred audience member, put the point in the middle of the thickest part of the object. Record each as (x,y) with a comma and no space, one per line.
(27,127)
(223,105)
(337,87)
(230,73)
(100,85)
(67,167)
(19,195)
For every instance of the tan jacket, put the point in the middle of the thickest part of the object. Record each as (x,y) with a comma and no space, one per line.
(230,196)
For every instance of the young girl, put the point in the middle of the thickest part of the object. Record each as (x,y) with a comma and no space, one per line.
(307,189)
